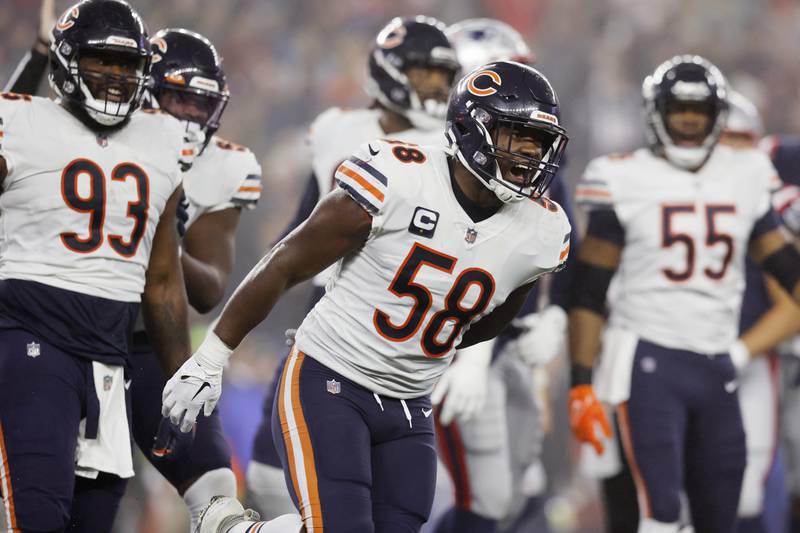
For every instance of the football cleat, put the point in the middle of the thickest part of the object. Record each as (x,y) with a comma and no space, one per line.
(222,513)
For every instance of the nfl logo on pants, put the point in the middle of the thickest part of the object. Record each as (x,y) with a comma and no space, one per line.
(333,386)
(34,349)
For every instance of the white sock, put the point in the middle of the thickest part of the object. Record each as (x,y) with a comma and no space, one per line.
(288,523)
(219,482)
(267,492)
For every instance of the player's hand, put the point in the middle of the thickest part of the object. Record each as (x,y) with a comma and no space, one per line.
(462,388)
(170,442)
(47,19)
(191,388)
(787,204)
(194,140)
(739,355)
(585,412)
(197,384)
(543,336)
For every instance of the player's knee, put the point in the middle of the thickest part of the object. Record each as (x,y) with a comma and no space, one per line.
(648,525)
(219,482)
(266,490)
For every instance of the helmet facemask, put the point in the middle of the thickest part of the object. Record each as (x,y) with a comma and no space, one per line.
(198,109)
(519,158)
(108,83)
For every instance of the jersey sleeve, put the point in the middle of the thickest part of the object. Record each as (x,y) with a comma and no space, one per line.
(768,182)
(594,190)
(363,176)
(249,191)
(14,108)
(553,236)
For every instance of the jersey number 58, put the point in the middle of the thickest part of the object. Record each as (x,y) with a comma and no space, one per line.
(403,285)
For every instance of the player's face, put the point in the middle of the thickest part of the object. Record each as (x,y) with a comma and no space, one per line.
(185,105)
(688,123)
(110,75)
(523,143)
(430,83)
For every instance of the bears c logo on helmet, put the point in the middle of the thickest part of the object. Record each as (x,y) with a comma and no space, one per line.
(477,91)
(67,20)
(391,36)
(161,44)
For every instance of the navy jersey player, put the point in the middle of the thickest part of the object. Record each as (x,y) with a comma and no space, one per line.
(88,238)
(674,222)
(411,58)
(488,449)
(435,249)
(189,83)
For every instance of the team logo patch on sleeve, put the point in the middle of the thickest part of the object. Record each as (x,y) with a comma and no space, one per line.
(423,223)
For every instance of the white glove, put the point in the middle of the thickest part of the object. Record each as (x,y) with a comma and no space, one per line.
(463,385)
(193,141)
(543,337)
(197,384)
(739,354)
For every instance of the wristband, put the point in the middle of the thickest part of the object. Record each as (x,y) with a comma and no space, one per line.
(212,354)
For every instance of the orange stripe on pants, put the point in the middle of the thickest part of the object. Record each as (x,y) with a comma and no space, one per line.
(298,436)
(5,484)
(627,445)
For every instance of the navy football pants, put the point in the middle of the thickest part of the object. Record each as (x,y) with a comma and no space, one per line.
(354,462)
(682,429)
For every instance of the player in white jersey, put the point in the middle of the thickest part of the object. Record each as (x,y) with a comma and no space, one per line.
(488,449)
(422,64)
(436,248)
(674,222)
(87,207)
(189,83)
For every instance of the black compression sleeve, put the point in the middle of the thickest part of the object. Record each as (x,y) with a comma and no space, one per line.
(29,73)
(589,287)
(784,266)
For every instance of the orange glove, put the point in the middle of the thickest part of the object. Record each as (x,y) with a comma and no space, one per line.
(584,412)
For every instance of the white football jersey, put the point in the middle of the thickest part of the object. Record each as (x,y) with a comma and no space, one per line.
(337,133)
(394,311)
(79,210)
(681,276)
(225,175)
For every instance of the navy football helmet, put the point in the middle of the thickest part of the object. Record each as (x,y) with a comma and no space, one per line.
(510,95)
(405,43)
(188,79)
(96,28)
(685,82)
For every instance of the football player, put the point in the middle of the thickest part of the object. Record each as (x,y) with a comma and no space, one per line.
(768,316)
(88,206)
(674,222)
(189,83)
(435,248)
(410,70)
(488,450)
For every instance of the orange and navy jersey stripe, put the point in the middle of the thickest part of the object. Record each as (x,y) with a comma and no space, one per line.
(593,192)
(363,182)
(248,193)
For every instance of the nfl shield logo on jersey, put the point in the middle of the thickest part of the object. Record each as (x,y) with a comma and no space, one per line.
(107,380)
(333,386)
(471,235)
(34,349)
